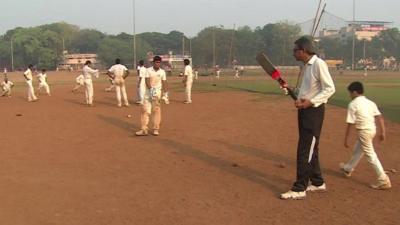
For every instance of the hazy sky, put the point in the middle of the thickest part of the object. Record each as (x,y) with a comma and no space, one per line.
(188,16)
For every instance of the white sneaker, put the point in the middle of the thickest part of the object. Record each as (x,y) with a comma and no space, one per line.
(382,184)
(156,133)
(141,133)
(295,195)
(347,173)
(313,188)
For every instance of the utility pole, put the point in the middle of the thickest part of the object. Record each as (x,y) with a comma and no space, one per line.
(190,47)
(134,34)
(230,49)
(183,45)
(214,49)
(12,55)
(354,36)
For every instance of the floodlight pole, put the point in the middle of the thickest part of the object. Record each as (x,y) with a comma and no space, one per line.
(12,54)
(354,37)
(134,34)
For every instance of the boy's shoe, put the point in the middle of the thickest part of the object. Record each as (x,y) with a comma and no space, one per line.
(312,188)
(345,172)
(156,133)
(142,133)
(295,195)
(382,184)
(187,102)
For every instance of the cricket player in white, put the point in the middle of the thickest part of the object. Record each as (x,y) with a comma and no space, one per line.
(80,82)
(363,114)
(141,88)
(42,77)
(118,73)
(28,77)
(217,71)
(6,86)
(87,74)
(156,82)
(188,81)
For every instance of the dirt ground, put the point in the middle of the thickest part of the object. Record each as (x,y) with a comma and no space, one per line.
(222,160)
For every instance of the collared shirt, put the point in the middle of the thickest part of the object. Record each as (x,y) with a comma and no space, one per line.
(42,77)
(317,84)
(88,72)
(118,70)
(156,77)
(28,74)
(361,112)
(189,73)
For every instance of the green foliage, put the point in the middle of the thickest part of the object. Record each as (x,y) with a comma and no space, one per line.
(43,45)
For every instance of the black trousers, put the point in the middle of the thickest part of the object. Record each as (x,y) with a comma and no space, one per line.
(308,169)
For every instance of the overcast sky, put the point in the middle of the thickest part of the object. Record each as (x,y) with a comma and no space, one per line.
(188,16)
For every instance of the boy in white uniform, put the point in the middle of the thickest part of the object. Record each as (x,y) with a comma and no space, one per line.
(236,72)
(87,74)
(188,81)
(156,82)
(118,73)
(42,77)
(362,114)
(196,74)
(6,86)
(80,82)
(141,87)
(217,71)
(28,77)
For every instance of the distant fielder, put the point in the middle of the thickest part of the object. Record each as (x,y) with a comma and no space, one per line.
(6,85)
(119,73)
(87,74)
(28,77)
(188,81)
(141,84)
(42,77)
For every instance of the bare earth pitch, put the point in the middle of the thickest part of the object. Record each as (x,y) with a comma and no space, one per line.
(214,163)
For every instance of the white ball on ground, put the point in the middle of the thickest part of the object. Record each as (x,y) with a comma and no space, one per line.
(129,116)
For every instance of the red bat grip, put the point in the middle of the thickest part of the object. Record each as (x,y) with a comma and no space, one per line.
(289,90)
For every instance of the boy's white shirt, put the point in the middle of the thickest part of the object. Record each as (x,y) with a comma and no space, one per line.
(361,112)
(42,77)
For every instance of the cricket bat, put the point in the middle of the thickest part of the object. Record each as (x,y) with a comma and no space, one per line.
(268,67)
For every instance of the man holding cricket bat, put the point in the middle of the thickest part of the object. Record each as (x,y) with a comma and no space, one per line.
(316,88)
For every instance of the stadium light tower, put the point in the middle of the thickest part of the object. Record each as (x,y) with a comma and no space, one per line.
(12,54)
(354,36)
(134,33)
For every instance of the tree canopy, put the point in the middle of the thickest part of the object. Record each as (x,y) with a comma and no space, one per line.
(44,45)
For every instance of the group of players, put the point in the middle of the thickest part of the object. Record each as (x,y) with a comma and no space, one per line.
(7,85)
(316,87)
(151,90)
